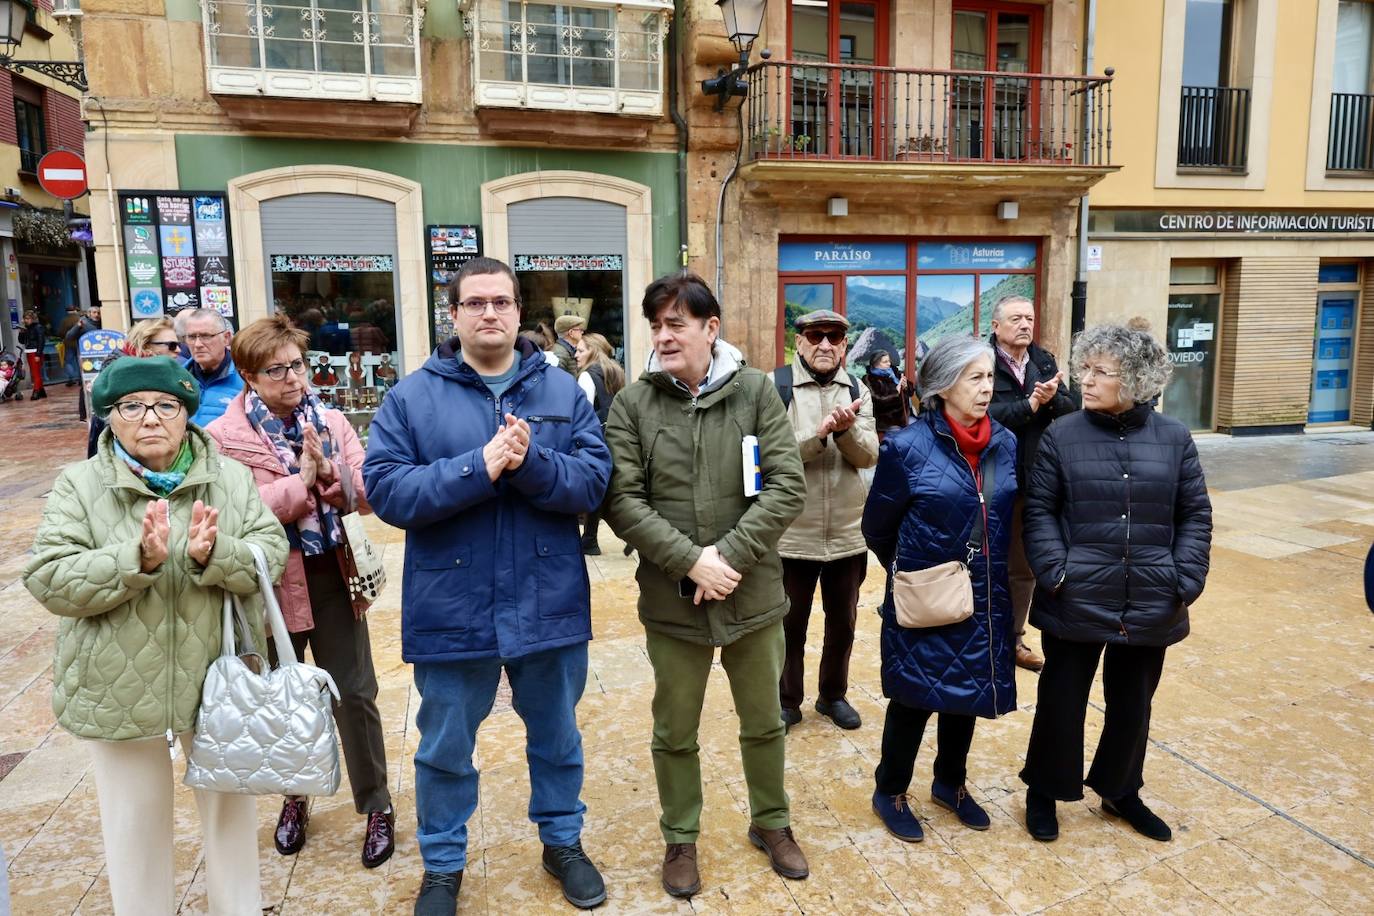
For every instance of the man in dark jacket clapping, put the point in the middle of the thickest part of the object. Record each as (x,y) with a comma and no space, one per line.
(1028,393)
(485,457)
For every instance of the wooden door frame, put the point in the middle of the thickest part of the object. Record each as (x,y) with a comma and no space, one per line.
(1036,65)
(882,10)
(817,277)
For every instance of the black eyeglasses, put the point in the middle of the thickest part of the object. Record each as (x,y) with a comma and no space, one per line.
(475,307)
(815,335)
(278,372)
(135,411)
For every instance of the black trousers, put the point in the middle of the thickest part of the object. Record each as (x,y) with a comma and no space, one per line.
(840,581)
(1054,760)
(340,644)
(902,731)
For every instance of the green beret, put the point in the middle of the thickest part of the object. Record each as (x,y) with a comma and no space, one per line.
(143,373)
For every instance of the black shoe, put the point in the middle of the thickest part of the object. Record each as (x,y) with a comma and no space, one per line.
(1133,811)
(379,840)
(41,395)
(1041,821)
(289,837)
(591,550)
(582,884)
(439,893)
(840,712)
(790,717)
(629,551)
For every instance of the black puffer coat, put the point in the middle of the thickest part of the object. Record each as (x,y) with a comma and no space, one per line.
(1118,528)
(1011,402)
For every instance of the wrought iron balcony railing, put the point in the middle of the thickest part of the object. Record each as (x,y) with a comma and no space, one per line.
(1350,143)
(824,111)
(1214,128)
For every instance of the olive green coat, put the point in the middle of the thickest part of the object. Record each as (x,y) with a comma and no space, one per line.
(133,647)
(678,486)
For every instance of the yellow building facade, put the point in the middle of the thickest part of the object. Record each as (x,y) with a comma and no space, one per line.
(1241,224)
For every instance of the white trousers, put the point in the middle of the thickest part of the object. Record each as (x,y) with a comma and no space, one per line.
(134,782)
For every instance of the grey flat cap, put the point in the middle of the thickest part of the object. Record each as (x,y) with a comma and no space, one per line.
(821,316)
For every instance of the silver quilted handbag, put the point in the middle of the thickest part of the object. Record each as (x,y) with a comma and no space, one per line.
(264,734)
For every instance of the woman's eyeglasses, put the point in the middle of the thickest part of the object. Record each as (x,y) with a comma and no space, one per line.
(475,307)
(135,411)
(1088,372)
(278,372)
(815,335)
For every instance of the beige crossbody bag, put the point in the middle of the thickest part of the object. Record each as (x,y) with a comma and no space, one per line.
(943,594)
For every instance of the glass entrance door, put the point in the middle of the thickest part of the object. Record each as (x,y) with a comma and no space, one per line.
(798,298)
(837,110)
(1192,342)
(1333,352)
(994,117)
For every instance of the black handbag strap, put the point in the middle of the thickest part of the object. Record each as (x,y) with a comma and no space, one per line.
(985,486)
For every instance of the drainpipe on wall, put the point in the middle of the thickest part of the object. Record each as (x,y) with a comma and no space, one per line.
(681,125)
(1079,310)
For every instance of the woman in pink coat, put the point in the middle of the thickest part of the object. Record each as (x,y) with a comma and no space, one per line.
(303,455)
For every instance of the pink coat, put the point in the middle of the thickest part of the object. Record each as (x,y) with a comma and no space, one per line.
(286,495)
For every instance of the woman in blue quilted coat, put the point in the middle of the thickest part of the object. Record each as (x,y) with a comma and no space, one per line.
(921,512)
(1118,532)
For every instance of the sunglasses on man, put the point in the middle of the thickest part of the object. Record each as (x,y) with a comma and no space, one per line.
(815,335)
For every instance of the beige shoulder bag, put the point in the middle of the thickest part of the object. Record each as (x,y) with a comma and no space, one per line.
(943,594)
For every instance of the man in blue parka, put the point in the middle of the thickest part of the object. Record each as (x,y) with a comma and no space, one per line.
(485,457)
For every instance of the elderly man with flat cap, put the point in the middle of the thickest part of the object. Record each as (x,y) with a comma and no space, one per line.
(569,329)
(832,417)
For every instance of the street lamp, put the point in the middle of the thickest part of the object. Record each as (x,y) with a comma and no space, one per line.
(743,21)
(14,15)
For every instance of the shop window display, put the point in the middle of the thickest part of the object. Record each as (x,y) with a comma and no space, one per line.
(592,286)
(346,303)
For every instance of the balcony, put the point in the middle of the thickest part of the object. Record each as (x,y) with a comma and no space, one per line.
(1350,141)
(1213,128)
(948,126)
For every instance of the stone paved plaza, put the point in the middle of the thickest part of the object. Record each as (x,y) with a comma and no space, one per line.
(1262,757)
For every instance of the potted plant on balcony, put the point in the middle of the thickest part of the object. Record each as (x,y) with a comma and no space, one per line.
(925,148)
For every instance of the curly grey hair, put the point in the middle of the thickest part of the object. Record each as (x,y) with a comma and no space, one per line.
(1145,365)
(943,365)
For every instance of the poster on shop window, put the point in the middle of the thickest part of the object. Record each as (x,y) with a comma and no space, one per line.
(177,252)
(448,249)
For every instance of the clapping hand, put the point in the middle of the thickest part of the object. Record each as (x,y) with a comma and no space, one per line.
(200,538)
(507,448)
(1045,391)
(839,419)
(152,544)
(323,467)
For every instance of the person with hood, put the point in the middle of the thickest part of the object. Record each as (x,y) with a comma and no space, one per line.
(1119,534)
(706,524)
(485,457)
(943,492)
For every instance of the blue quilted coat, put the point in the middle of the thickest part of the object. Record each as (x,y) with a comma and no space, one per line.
(920,512)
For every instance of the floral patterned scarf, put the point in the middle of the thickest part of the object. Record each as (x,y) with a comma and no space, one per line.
(310,534)
(161,483)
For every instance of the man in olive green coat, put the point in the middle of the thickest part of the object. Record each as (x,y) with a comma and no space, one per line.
(709,573)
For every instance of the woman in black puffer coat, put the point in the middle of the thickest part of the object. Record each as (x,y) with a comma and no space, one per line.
(1118,529)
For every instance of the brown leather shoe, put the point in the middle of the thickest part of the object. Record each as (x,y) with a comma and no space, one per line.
(1026,658)
(290,835)
(680,875)
(380,839)
(783,852)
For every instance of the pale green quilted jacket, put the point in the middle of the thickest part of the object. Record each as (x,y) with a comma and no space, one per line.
(133,648)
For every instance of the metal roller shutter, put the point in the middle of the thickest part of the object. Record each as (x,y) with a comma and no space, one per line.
(566,225)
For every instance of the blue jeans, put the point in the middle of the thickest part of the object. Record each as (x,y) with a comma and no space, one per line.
(71,365)
(455,697)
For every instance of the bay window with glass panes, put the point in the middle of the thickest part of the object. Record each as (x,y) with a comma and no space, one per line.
(591,55)
(335,49)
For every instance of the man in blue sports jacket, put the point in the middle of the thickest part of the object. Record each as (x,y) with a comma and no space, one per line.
(485,457)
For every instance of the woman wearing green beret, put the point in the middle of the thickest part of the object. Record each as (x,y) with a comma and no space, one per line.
(135,551)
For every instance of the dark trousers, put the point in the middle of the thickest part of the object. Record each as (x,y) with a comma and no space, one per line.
(902,731)
(1019,575)
(1054,760)
(840,581)
(340,644)
(590,524)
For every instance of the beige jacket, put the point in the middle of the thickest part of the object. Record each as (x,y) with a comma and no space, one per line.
(829,527)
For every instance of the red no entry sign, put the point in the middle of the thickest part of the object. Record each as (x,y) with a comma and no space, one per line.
(62,174)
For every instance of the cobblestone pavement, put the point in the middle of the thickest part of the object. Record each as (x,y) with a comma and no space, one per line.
(1261,758)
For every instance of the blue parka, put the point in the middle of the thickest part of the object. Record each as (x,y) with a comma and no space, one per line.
(920,512)
(491,570)
(216,391)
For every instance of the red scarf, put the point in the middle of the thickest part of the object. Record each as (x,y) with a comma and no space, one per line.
(971,442)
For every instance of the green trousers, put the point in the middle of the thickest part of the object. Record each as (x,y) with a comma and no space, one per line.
(753,664)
